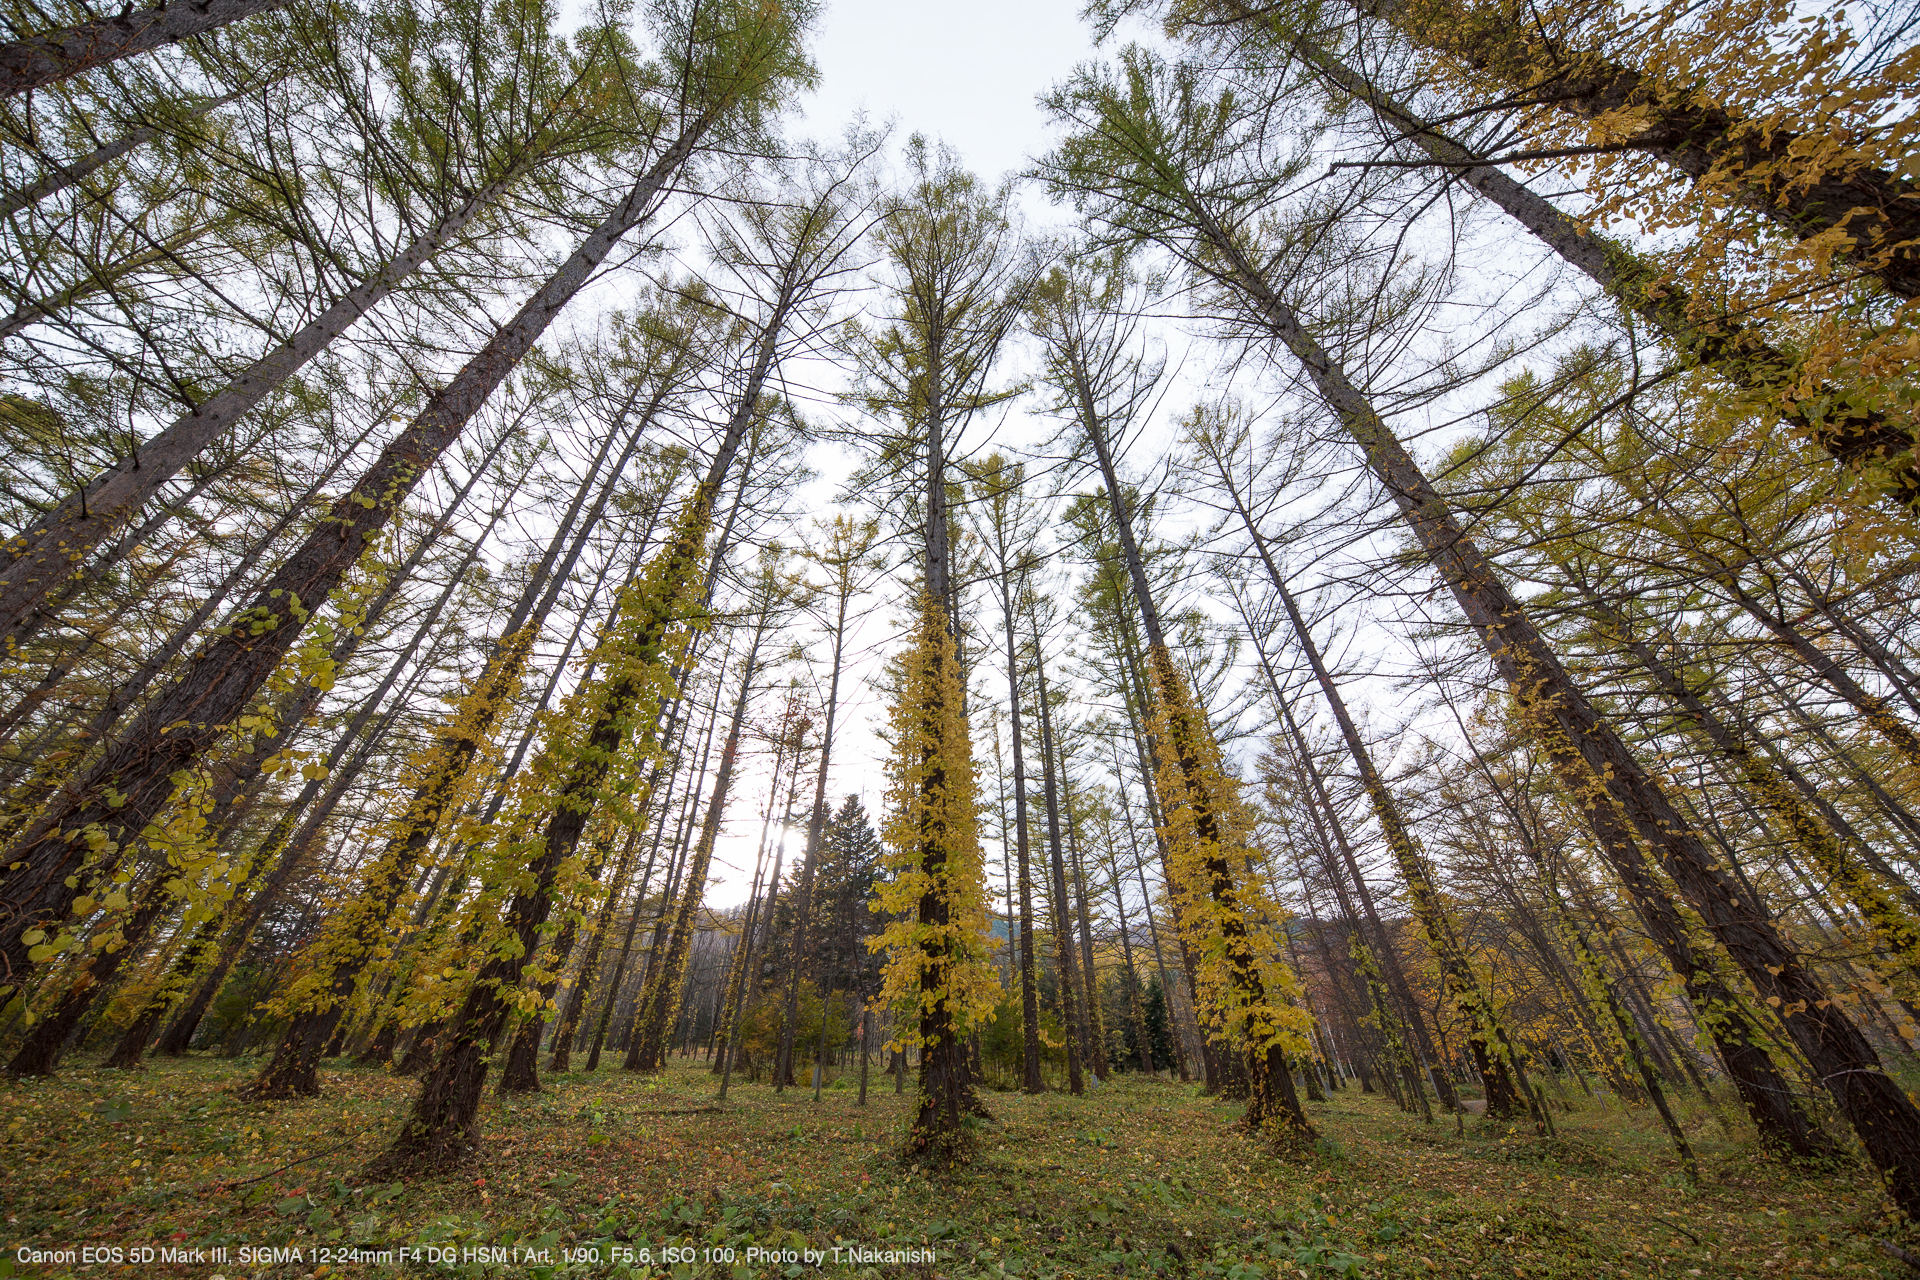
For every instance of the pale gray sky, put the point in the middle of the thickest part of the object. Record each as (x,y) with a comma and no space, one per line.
(966,74)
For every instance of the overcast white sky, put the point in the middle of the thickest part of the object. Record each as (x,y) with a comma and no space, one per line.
(968,76)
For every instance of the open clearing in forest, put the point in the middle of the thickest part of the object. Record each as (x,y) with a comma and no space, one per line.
(1144,1177)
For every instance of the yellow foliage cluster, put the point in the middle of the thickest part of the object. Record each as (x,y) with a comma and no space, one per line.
(647,638)
(1777,72)
(943,956)
(429,787)
(1247,996)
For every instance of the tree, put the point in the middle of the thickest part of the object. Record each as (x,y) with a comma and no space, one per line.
(955,288)
(1243,984)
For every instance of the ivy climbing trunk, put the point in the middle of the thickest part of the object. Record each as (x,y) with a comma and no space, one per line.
(1183,741)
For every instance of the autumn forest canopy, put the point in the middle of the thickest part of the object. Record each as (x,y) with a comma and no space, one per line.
(1346,626)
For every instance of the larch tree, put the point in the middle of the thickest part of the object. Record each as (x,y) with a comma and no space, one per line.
(954,281)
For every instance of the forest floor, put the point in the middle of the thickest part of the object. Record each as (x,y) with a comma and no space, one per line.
(1141,1178)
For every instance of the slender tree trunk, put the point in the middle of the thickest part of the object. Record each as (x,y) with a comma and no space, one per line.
(1153,928)
(54,55)
(678,849)
(1030,1080)
(291,1071)
(1071,991)
(1139,1016)
(1776,795)
(128,692)
(41,1050)
(734,1007)
(737,994)
(1383,985)
(560,1054)
(1090,985)
(615,983)
(287,854)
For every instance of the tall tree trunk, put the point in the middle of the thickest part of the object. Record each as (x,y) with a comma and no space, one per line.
(521,1071)
(560,1053)
(1384,984)
(126,692)
(1137,1015)
(287,853)
(41,1050)
(1030,1079)
(734,1006)
(1321,809)
(1153,928)
(1071,992)
(695,779)
(737,992)
(48,58)
(1774,794)
(1089,982)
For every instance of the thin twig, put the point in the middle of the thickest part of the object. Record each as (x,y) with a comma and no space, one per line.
(1893,1250)
(1557,153)
(231,1186)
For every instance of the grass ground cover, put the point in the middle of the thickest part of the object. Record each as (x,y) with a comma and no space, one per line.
(599,1175)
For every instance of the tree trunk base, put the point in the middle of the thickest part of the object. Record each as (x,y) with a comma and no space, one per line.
(293,1072)
(522,1071)
(942,1136)
(380,1051)
(46,1041)
(439,1136)
(130,1054)
(1273,1106)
